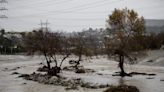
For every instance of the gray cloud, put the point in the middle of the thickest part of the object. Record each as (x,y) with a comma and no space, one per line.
(73,15)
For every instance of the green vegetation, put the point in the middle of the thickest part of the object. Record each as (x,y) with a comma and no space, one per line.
(127,32)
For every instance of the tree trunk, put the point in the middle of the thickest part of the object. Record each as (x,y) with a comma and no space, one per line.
(78,62)
(48,65)
(121,65)
(64,59)
(48,62)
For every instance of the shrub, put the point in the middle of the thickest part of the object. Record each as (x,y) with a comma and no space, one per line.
(122,88)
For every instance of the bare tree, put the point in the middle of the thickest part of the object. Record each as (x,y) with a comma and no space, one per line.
(78,47)
(50,45)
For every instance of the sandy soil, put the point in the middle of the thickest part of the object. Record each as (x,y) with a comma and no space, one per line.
(104,69)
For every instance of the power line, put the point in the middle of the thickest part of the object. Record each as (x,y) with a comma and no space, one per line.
(80,7)
(74,10)
(98,12)
(80,19)
(62,12)
(72,19)
(43,24)
(62,3)
(76,7)
(49,2)
(3,8)
(43,4)
(3,1)
(75,25)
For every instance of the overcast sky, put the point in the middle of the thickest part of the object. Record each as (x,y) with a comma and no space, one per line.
(72,15)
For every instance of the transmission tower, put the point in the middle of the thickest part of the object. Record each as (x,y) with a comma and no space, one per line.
(44,25)
(3,9)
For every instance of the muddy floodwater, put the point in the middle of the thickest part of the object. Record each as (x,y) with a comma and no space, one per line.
(104,69)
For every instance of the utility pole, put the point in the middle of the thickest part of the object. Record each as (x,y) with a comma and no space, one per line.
(41,24)
(44,25)
(3,9)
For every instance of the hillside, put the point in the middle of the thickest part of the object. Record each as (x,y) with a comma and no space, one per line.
(154,25)
(154,22)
